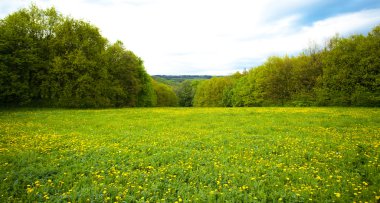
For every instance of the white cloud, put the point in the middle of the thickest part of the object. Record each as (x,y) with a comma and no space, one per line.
(207,36)
(345,24)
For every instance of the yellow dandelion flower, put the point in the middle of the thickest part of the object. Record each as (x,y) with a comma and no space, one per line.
(29,190)
(46,197)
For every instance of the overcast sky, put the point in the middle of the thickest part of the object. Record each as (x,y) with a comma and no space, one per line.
(217,37)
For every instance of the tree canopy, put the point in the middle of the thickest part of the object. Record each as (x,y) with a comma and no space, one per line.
(48,59)
(343,73)
(165,94)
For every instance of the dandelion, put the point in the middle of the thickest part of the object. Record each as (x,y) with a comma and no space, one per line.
(146,163)
(29,190)
(46,196)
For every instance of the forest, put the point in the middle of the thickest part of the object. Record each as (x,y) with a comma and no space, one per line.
(51,60)
(343,72)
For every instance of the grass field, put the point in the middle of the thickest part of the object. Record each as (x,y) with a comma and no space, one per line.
(190,155)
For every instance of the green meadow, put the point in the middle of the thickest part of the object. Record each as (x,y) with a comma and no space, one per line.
(190,155)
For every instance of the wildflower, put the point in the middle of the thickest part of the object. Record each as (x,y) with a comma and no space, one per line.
(46,196)
(337,194)
(29,190)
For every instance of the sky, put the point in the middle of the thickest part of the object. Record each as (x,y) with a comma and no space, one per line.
(215,37)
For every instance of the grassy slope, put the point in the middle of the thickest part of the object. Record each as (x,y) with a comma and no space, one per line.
(179,154)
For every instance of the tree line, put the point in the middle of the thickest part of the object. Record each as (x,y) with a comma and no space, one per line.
(47,59)
(345,72)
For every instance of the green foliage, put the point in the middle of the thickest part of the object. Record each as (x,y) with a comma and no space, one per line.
(214,92)
(248,91)
(190,155)
(47,59)
(24,54)
(186,92)
(277,81)
(164,94)
(307,69)
(351,71)
(183,85)
(166,81)
(174,80)
(50,60)
(131,85)
(344,73)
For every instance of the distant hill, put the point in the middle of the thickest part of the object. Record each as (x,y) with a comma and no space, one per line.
(174,80)
(183,77)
